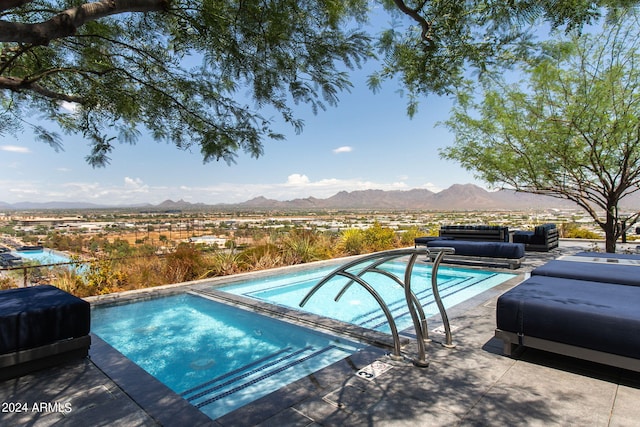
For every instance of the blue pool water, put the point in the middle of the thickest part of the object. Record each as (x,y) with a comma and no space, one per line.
(43,256)
(357,306)
(216,356)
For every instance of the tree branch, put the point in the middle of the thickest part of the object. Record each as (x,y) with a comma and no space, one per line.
(67,22)
(413,14)
(17,85)
(11,4)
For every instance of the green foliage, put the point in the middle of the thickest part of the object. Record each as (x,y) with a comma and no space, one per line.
(119,248)
(224,263)
(179,69)
(351,241)
(263,256)
(64,242)
(102,277)
(435,49)
(300,246)
(7,282)
(569,129)
(379,238)
(184,264)
(407,238)
(572,230)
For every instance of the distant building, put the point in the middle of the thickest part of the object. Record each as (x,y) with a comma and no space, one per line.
(209,241)
(48,221)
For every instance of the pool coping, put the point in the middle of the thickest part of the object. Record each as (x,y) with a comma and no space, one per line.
(168,408)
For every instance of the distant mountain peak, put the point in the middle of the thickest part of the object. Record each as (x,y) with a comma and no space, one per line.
(458,197)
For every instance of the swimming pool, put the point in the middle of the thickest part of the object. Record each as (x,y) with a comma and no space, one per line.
(357,306)
(215,356)
(43,256)
(220,357)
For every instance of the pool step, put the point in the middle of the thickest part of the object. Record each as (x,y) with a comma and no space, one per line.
(240,384)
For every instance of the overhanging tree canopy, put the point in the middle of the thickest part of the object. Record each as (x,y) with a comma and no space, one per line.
(178,68)
(570,129)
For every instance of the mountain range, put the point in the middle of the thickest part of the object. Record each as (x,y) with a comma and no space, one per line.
(458,197)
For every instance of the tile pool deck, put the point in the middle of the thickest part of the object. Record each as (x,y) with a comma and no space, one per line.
(471,385)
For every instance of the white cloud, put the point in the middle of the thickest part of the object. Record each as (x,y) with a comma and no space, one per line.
(343,149)
(70,107)
(135,184)
(297,179)
(14,149)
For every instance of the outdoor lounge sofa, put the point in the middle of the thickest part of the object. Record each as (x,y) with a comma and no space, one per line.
(41,326)
(483,233)
(581,306)
(543,238)
(472,252)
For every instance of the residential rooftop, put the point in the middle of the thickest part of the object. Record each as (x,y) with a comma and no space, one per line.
(471,384)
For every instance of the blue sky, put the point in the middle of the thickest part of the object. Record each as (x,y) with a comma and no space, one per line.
(366,142)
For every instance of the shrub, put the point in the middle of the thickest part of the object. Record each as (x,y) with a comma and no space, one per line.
(572,230)
(7,283)
(184,264)
(263,256)
(300,246)
(351,241)
(102,278)
(378,238)
(224,263)
(407,238)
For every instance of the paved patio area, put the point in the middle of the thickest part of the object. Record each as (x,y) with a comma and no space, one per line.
(472,384)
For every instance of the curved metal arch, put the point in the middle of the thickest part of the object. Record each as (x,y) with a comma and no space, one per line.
(373,269)
(413,304)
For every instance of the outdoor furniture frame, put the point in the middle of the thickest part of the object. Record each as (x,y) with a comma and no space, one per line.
(483,233)
(591,316)
(544,238)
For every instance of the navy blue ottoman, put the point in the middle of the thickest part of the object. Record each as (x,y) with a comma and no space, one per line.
(491,253)
(41,326)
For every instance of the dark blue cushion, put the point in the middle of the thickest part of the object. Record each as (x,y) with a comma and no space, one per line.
(541,230)
(593,271)
(426,239)
(522,236)
(598,316)
(38,315)
(482,249)
(608,255)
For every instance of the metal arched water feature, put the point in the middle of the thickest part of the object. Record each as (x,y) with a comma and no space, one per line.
(371,264)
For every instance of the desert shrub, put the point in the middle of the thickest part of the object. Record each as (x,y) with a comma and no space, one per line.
(7,282)
(224,263)
(379,238)
(102,278)
(143,272)
(263,256)
(351,241)
(184,264)
(71,281)
(407,238)
(300,246)
(571,230)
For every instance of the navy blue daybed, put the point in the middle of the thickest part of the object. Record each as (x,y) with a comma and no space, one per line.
(586,309)
(497,253)
(41,326)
